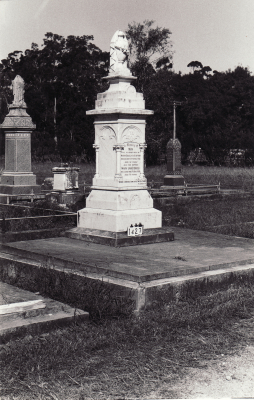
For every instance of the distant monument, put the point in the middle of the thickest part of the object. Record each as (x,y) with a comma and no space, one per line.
(174,179)
(119,199)
(17,177)
(65,185)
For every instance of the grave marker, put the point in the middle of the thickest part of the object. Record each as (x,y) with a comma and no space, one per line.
(17,177)
(119,198)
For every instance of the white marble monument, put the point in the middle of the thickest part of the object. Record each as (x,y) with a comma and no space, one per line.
(119,196)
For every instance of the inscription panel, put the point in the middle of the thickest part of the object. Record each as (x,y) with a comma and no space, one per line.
(130,162)
(23,155)
(9,155)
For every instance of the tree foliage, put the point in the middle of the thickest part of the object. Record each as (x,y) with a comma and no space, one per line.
(150,50)
(216,114)
(62,80)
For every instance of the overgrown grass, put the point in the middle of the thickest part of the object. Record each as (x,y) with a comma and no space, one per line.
(212,214)
(129,358)
(234,212)
(229,178)
(133,356)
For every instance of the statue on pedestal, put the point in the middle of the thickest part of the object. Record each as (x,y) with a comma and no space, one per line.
(119,54)
(18,85)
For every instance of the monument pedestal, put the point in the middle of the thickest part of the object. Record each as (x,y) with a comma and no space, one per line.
(173,180)
(65,185)
(17,177)
(119,198)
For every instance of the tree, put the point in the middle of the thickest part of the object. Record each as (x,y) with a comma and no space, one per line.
(196,66)
(150,50)
(62,81)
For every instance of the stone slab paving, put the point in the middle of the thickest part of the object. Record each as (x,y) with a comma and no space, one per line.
(23,312)
(191,252)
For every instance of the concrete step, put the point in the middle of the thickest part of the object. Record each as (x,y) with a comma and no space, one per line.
(23,312)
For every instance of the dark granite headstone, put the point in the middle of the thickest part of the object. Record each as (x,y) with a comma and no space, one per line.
(174,165)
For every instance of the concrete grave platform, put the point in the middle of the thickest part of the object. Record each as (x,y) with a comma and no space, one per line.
(120,239)
(143,270)
(23,312)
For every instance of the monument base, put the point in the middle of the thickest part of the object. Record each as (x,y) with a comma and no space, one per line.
(120,220)
(120,239)
(173,180)
(64,197)
(19,183)
(20,189)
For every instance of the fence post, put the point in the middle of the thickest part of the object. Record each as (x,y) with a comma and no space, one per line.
(3,223)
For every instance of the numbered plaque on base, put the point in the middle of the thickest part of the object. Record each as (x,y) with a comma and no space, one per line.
(135,230)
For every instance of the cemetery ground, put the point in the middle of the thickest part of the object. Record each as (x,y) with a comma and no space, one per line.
(198,346)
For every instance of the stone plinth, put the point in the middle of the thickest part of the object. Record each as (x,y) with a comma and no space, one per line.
(65,185)
(17,177)
(65,178)
(174,178)
(119,196)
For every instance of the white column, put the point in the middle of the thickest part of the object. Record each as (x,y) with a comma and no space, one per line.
(142,147)
(96,147)
(118,148)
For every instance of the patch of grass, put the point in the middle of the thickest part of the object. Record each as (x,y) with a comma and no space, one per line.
(128,358)
(229,178)
(212,214)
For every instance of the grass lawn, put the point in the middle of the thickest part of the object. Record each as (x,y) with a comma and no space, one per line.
(236,212)
(132,357)
(229,178)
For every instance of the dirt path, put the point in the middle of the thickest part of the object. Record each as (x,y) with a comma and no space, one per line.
(227,376)
(231,377)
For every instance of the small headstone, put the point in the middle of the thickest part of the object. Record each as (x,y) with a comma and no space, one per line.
(65,178)
(174,176)
(65,185)
(174,164)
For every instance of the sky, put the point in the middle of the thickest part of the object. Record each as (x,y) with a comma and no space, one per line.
(218,33)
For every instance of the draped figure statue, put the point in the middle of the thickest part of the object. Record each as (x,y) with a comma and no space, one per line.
(18,85)
(119,54)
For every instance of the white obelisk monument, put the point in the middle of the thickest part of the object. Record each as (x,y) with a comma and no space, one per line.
(119,197)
